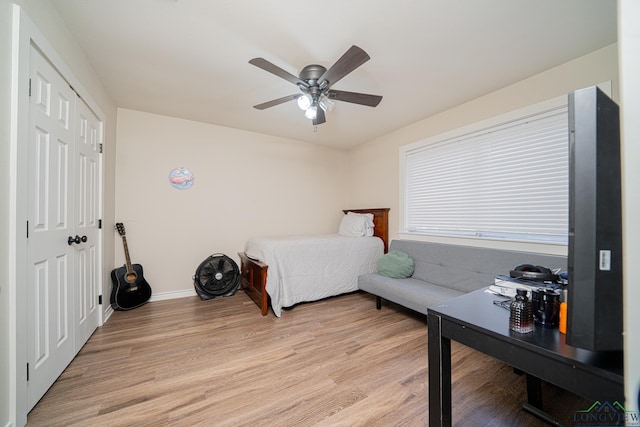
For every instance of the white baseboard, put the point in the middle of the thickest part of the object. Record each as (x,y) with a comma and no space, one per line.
(172,295)
(154,297)
(107,313)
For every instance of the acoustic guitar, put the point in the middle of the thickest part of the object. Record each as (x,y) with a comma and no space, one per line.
(130,289)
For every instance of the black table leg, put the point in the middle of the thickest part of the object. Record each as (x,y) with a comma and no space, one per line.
(534,401)
(439,374)
(534,391)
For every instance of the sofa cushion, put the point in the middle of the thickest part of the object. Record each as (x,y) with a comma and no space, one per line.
(411,293)
(466,268)
(396,264)
(443,271)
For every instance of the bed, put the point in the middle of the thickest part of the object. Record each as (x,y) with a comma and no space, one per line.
(309,268)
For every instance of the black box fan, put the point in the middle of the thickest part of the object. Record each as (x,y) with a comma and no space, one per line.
(217,276)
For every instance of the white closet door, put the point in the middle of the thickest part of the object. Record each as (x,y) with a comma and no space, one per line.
(87,209)
(50,264)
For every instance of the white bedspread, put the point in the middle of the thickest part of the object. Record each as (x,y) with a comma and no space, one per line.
(309,268)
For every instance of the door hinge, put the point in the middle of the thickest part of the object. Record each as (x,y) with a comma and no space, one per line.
(99,224)
(100,148)
(29,87)
(100,299)
(27,229)
(27,371)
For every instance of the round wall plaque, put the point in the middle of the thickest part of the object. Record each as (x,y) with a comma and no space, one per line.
(181,178)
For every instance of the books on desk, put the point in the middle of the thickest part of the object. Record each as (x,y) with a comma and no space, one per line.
(506,286)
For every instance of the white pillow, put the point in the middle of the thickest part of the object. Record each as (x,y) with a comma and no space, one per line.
(356,225)
(368,222)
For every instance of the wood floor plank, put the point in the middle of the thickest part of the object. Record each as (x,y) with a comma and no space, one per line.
(188,362)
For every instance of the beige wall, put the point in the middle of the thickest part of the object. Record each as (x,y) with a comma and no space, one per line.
(246,184)
(374,167)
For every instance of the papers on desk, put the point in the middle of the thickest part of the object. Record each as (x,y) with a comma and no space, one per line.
(506,286)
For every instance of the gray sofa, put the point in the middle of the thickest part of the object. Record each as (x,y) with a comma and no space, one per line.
(445,271)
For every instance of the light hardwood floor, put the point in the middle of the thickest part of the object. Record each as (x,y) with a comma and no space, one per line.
(339,361)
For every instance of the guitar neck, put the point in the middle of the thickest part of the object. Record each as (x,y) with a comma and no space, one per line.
(126,255)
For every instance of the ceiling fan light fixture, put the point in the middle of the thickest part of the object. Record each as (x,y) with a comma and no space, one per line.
(325,103)
(305,101)
(311,112)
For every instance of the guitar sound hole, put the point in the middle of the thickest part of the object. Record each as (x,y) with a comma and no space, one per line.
(131,277)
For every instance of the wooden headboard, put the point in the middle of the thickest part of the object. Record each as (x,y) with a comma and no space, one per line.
(380,222)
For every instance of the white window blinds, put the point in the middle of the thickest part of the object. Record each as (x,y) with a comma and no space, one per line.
(507,182)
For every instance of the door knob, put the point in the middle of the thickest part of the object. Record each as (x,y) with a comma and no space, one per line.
(77,239)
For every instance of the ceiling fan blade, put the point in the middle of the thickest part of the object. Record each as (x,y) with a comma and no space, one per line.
(354,97)
(320,117)
(278,101)
(274,69)
(352,59)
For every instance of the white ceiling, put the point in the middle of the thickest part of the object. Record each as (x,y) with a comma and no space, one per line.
(189,58)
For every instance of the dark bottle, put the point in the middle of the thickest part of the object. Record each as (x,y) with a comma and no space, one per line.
(521,317)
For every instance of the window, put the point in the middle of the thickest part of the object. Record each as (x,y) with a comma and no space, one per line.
(505,181)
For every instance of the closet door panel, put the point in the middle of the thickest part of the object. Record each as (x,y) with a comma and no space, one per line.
(87,210)
(50,345)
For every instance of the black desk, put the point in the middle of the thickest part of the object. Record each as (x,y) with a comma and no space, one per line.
(473,320)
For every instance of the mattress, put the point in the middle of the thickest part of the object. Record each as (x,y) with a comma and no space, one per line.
(309,268)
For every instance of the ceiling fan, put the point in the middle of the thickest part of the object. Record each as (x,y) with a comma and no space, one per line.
(315,82)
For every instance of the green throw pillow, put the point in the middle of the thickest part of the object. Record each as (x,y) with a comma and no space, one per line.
(396,264)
